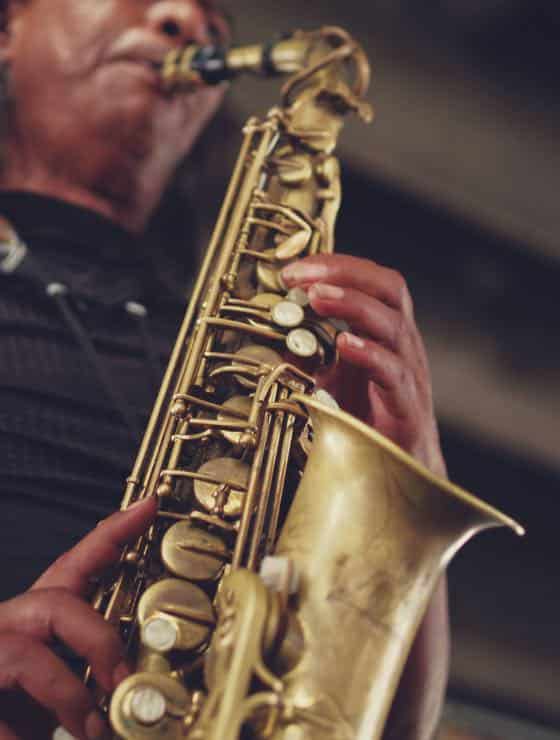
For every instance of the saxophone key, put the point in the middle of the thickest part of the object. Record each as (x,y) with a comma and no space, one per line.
(279,574)
(268,274)
(288,315)
(299,296)
(149,704)
(266,303)
(190,552)
(184,613)
(265,300)
(260,358)
(294,245)
(160,634)
(226,495)
(293,170)
(302,343)
(325,398)
(235,408)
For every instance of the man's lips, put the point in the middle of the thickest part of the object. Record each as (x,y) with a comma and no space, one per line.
(136,46)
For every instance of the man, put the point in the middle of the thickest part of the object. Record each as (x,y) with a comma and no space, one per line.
(90,143)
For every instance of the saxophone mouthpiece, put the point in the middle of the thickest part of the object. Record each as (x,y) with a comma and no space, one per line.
(193,66)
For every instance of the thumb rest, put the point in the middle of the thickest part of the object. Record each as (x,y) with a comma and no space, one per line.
(295,550)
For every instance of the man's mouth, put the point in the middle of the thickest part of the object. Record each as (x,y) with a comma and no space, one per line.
(136,46)
(153,67)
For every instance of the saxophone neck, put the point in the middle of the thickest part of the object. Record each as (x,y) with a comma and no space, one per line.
(300,54)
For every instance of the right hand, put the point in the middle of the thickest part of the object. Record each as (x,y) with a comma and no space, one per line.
(33,680)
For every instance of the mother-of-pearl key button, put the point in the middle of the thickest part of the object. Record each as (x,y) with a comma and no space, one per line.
(302,343)
(147,705)
(287,314)
(299,296)
(326,399)
(159,634)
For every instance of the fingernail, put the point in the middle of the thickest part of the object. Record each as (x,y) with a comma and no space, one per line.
(298,272)
(61,733)
(96,727)
(353,341)
(121,672)
(328,292)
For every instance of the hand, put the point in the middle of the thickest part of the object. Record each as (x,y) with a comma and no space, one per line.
(54,608)
(383,376)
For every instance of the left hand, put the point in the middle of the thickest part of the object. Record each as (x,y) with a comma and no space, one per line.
(383,376)
(35,684)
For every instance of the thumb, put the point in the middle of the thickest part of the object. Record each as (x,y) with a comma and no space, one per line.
(99,549)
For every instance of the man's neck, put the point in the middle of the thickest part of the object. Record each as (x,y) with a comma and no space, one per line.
(126,195)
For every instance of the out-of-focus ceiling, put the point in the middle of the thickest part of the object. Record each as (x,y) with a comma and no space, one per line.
(457,132)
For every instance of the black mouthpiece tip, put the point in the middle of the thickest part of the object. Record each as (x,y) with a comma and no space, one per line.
(210,63)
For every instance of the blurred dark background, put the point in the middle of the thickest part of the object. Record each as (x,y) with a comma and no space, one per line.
(456,185)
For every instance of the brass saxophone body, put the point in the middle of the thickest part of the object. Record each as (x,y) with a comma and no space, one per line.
(295,550)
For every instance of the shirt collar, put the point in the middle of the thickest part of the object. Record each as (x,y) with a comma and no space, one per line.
(95,257)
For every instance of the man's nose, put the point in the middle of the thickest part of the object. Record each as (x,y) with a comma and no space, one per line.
(184,21)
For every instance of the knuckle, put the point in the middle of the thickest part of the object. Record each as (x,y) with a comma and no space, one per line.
(364,311)
(402,378)
(109,642)
(372,354)
(13,648)
(17,654)
(54,606)
(52,600)
(42,607)
(103,643)
(400,331)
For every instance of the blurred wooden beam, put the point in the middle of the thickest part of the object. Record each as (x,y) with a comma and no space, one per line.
(469,722)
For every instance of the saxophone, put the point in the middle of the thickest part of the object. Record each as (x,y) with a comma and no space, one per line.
(295,549)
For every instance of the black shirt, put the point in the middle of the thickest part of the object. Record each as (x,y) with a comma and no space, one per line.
(65,445)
